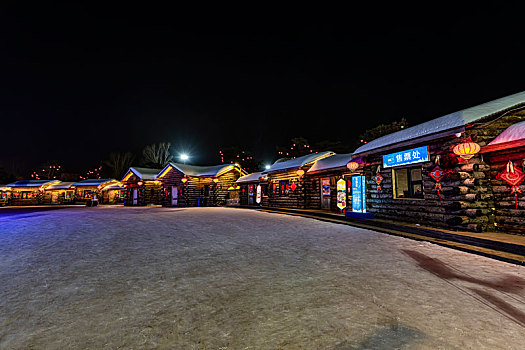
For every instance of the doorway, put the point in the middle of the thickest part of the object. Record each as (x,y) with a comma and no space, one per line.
(174,195)
(325,193)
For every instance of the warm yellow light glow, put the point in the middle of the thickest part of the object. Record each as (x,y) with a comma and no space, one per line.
(184,180)
(466,150)
(164,172)
(300,172)
(352,166)
(215,180)
(128,175)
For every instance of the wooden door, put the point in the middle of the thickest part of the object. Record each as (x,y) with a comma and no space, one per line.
(135,196)
(325,193)
(174,195)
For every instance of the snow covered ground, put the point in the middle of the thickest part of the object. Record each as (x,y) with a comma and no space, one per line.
(218,278)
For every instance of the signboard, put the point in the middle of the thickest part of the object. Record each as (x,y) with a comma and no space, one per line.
(325,186)
(341,194)
(410,156)
(259,194)
(358,194)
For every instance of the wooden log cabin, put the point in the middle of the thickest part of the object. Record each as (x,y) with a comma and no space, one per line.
(29,192)
(142,187)
(506,157)
(253,189)
(60,193)
(423,172)
(107,191)
(322,179)
(5,195)
(286,180)
(193,185)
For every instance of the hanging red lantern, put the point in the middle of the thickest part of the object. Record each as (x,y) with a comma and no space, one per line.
(293,187)
(352,166)
(437,174)
(512,176)
(466,150)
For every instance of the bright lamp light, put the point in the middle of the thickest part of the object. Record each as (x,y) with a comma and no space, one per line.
(184,156)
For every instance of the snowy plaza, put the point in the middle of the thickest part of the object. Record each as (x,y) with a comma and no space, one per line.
(224,278)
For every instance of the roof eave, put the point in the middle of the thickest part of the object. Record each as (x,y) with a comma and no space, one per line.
(410,142)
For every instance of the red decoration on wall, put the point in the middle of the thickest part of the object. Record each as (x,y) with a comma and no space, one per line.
(293,187)
(512,176)
(274,186)
(378,179)
(437,174)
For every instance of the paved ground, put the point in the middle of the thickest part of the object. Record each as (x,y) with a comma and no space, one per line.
(217,278)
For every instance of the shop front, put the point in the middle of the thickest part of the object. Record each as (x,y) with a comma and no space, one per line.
(432,173)
(29,192)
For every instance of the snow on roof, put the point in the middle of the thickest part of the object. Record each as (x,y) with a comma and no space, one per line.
(297,162)
(334,161)
(114,187)
(145,173)
(60,186)
(32,183)
(253,177)
(92,182)
(447,122)
(514,132)
(201,171)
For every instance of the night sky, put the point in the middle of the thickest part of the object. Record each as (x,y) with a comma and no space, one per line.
(79,82)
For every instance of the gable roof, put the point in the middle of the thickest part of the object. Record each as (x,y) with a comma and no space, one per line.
(202,171)
(93,182)
(298,162)
(446,123)
(512,137)
(32,183)
(514,132)
(253,177)
(332,162)
(143,173)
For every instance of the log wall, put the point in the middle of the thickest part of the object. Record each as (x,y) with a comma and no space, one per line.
(467,200)
(293,199)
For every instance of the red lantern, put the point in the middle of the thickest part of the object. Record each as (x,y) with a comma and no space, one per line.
(512,176)
(466,150)
(293,187)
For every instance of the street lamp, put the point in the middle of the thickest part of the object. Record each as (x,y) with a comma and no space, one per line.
(184,157)
(267,166)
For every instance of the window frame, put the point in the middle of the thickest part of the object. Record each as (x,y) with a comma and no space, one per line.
(410,183)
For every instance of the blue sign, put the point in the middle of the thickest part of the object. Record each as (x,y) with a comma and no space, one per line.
(358,194)
(410,156)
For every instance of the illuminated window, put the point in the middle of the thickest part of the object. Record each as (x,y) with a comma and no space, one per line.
(408,183)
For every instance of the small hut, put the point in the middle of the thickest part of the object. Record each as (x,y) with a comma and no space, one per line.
(59,193)
(29,192)
(193,185)
(102,189)
(5,195)
(285,179)
(506,157)
(142,188)
(253,189)
(323,183)
(432,174)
